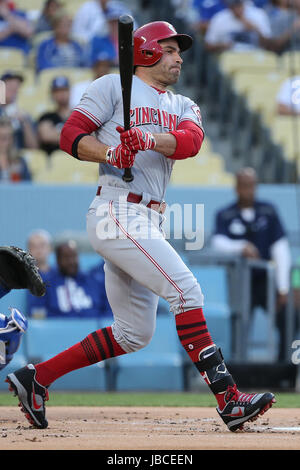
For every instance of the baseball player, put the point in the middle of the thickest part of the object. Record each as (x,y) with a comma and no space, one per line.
(124,224)
(17,271)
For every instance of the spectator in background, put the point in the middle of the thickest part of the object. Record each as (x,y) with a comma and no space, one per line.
(60,50)
(71,293)
(252,228)
(24,131)
(13,167)
(285,25)
(203,11)
(50,124)
(113,10)
(102,60)
(239,27)
(44,22)
(90,21)
(15,30)
(288,97)
(39,245)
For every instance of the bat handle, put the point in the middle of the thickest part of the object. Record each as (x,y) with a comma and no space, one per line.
(127,175)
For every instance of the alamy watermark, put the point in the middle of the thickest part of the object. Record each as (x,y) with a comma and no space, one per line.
(296,354)
(2,92)
(180,222)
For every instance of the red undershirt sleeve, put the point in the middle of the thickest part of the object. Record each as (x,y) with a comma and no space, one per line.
(189,138)
(76,127)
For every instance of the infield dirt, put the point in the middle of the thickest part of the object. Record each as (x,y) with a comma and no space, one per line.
(154,428)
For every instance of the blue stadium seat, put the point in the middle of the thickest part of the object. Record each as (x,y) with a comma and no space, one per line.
(158,366)
(46,338)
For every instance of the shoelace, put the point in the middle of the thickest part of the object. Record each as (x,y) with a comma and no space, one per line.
(234,394)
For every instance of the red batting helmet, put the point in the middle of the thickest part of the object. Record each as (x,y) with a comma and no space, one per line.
(147,50)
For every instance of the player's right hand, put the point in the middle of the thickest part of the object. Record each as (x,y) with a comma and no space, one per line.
(120,156)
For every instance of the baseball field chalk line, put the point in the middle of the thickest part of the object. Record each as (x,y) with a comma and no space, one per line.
(290,428)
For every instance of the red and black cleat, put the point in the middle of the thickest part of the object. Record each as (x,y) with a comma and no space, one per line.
(31,394)
(244,407)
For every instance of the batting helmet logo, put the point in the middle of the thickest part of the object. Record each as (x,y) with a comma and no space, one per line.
(147,50)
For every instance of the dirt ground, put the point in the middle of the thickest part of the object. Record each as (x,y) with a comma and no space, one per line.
(120,428)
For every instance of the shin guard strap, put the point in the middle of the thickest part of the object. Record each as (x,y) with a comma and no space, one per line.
(211,361)
(221,384)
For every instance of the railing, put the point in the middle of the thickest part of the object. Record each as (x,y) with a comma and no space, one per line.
(239,271)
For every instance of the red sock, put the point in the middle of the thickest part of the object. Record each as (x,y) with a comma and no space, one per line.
(194,337)
(96,347)
(193,333)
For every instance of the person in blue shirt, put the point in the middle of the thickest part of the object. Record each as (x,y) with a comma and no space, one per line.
(60,50)
(15,30)
(71,293)
(252,228)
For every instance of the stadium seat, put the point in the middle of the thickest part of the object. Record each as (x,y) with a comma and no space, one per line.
(46,338)
(39,37)
(34,100)
(260,89)
(66,169)
(286,131)
(205,168)
(232,62)
(246,81)
(158,366)
(290,61)
(11,59)
(36,159)
(75,75)
(32,5)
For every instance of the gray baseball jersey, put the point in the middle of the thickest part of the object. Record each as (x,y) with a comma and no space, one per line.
(155,111)
(140,264)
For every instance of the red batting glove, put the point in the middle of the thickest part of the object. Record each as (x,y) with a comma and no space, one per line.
(120,156)
(137,139)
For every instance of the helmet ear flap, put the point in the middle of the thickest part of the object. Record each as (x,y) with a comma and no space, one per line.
(147,53)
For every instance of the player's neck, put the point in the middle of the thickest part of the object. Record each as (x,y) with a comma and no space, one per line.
(140,73)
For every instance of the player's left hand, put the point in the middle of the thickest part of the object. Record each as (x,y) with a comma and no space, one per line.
(137,139)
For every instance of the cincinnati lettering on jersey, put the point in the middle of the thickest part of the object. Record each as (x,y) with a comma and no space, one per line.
(145,115)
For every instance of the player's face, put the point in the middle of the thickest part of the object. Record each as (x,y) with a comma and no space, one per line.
(167,70)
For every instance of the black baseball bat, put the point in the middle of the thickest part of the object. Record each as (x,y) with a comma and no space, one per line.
(125,31)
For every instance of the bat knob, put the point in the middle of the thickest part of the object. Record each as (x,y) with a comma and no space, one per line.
(127,175)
